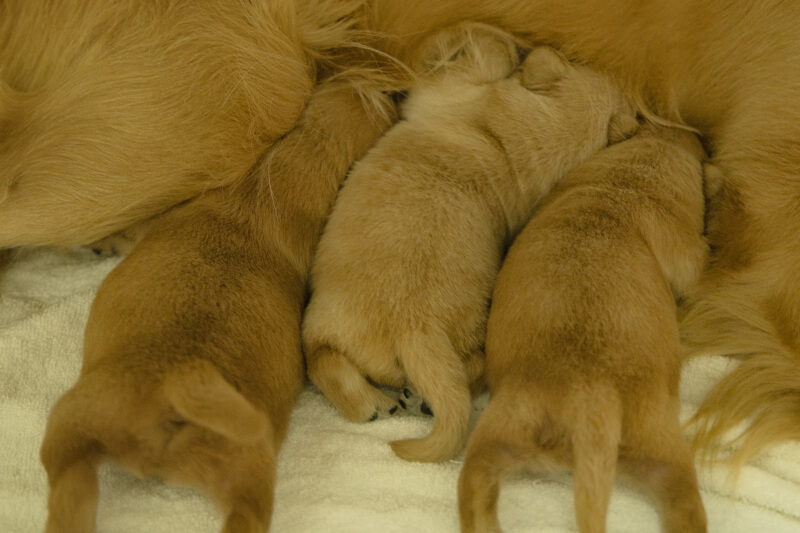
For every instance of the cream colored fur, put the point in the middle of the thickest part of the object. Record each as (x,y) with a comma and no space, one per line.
(403,275)
(728,69)
(582,349)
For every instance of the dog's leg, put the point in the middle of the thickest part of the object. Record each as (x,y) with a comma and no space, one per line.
(251,498)
(495,451)
(661,460)
(69,454)
(73,499)
(346,387)
(435,368)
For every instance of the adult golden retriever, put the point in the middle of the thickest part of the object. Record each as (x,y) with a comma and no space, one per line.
(113,111)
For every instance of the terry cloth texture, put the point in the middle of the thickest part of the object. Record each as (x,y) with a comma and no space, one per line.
(333,476)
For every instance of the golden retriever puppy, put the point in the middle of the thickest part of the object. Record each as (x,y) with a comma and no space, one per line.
(582,349)
(112,112)
(192,365)
(402,278)
(729,69)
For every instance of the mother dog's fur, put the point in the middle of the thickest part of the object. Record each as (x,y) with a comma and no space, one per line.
(730,70)
(111,112)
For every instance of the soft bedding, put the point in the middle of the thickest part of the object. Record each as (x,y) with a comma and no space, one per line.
(333,476)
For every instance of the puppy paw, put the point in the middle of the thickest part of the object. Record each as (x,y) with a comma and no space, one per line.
(412,402)
(113,245)
(386,405)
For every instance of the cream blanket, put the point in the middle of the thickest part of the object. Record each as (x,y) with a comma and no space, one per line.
(333,476)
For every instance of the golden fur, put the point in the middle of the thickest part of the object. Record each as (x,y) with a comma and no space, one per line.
(583,350)
(405,267)
(192,365)
(728,69)
(111,112)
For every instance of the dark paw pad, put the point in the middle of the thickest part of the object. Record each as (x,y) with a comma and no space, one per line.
(425,409)
(374,417)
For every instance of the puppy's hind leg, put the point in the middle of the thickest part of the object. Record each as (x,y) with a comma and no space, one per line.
(434,367)
(661,461)
(343,383)
(251,498)
(69,454)
(497,448)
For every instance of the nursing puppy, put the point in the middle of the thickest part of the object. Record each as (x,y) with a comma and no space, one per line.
(191,366)
(728,69)
(403,275)
(582,349)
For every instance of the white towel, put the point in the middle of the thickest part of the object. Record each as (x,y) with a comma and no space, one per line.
(333,476)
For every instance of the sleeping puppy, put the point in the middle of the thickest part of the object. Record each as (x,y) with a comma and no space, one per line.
(729,69)
(192,366)
(582,348)
(404,271)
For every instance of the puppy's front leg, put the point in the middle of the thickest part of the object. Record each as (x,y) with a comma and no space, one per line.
(346,387)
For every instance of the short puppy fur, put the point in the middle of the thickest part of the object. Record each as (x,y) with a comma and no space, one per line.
(582,348)
(728,69)
(192,365)
(404,271)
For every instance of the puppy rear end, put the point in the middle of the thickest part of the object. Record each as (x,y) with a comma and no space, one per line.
(192,366)
(583,351)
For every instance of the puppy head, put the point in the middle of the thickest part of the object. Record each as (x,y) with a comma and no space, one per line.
(188,426)
(468,52)
(547,71)
(543,69)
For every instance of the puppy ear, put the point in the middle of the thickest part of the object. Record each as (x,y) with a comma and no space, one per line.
(621,126)
(70,452)
(199,393)
(543,69)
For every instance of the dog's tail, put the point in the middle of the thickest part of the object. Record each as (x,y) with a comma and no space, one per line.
(762,394)
(595,426)
(435,368)
(199,393)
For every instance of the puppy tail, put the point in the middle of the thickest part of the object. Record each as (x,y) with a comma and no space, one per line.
(435,368)
(70,452)
(596,428)
(199,393)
